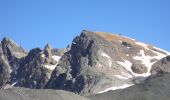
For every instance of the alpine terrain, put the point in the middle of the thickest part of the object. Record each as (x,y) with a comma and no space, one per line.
(97,66)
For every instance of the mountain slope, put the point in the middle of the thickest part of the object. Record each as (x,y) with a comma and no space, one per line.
(154,88)
(32,94)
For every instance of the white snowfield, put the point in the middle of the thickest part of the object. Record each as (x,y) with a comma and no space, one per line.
(126,64)
(42,55)
(105,55)
(52,67)
(124,76)
(117,87)
(168,53)
(145,59)
(13,84)
(56,58)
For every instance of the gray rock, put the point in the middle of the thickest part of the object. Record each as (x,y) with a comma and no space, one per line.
(139,69)
(12,50)
(33,94)
(162,65)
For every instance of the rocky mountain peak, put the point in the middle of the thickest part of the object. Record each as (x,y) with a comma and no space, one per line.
(48,46)
(12,49)
(6,40)
(48,51)
(33,54)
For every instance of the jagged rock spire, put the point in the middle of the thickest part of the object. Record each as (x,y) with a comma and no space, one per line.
(47,51)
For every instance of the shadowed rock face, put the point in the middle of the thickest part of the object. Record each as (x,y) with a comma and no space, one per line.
(17,68)
(4,71)
(10,55)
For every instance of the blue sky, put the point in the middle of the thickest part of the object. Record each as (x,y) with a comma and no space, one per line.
(33,23)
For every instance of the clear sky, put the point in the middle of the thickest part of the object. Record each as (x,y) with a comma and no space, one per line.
(33,23)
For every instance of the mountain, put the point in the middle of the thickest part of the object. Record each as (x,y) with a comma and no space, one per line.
(98,62)
(95,62)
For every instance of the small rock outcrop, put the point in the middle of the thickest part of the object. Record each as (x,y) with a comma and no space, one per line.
(162,65)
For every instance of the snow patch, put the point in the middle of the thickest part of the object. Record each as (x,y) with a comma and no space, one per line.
(74,42)
(43,55)
(110,63)
(13,84)
(159,55)
(124,76)
(105,55)
(168,53)
(51,67)
(142,44)
(56,58)
(100,65)
(109,60)
(117,87)
(146,60)
(127,65)
(121,77)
